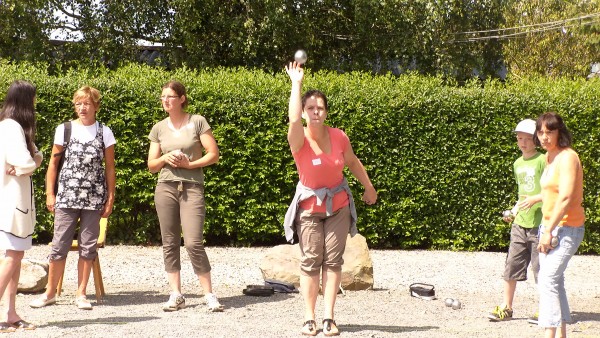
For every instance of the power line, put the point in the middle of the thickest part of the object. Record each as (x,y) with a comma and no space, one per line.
(539,30)
(558,22)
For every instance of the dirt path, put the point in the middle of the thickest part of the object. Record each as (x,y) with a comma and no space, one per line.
(136,287)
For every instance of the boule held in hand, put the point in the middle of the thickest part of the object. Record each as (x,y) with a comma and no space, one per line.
(300,57)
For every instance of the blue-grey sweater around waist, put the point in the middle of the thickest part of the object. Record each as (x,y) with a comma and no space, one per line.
(303,193)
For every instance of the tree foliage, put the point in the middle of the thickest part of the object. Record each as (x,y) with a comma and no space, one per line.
(395,36)
(23,30)
(555,38)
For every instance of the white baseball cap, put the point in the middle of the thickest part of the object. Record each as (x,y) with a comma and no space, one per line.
(526,126)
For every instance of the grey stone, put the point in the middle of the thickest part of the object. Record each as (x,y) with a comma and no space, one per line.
(357,271)
(34,276)
(282,263)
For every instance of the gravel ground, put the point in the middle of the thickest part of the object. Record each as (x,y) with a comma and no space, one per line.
(136,287)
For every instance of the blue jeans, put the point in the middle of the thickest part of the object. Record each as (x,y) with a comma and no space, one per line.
(554,307)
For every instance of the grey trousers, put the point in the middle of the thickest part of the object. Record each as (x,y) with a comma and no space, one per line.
(65,224)
(182,211)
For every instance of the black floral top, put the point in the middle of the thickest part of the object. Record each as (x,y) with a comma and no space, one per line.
(81,181)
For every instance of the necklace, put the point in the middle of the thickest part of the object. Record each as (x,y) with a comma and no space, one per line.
(177,130)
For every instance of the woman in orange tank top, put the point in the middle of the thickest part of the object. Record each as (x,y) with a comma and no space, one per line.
(562,227)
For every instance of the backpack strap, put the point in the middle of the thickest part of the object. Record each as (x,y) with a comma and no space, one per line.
(67,134)
(66,138)
(61,161)
(101,130)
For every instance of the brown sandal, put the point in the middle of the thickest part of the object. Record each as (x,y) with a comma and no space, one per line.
(6,327)
(309,328)
(21,324)
(330,328)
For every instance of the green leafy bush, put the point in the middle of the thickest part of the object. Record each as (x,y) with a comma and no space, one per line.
(440,156)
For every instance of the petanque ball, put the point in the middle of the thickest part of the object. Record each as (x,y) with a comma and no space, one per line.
(449,302)
(506,213)
(456,304)
(300,56)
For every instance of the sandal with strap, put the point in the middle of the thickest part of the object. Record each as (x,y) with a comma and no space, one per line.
(330,328)
(6,327)
(309,328)
(21,324)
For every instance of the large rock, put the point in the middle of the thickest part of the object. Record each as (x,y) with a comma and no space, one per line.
(357,271)
(282,263)
(34,276)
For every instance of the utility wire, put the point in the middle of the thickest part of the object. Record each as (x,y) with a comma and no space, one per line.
(539,30)
(558,22)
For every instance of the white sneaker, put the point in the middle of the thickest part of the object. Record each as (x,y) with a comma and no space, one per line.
(176,301)
(42,301)
(213,303)
(83,303)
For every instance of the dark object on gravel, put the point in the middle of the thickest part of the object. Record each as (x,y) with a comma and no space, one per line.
(423,291)
(281,287)
(258,290)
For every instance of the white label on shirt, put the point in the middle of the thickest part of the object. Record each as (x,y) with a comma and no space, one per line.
(316,161)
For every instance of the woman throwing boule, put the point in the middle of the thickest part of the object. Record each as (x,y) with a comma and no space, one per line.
(322,212)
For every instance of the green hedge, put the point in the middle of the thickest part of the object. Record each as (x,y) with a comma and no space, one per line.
(439,155)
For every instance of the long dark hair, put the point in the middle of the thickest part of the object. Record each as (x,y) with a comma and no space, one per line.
(19,106)
(553,121)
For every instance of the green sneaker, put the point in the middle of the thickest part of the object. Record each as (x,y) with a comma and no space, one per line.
(500,314)
(533,319)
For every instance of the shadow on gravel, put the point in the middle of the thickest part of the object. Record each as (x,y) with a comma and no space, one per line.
(137,298)
(106,321)
(152,297)
(386,328)
(373,289)
(243,300)
(585,316)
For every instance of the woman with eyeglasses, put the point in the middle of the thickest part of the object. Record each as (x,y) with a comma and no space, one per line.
(84,194)
(180,146)
(19,157)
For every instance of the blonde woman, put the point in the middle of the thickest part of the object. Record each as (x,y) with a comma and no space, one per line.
(86,193)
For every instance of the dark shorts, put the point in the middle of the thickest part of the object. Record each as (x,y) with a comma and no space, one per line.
(521,252)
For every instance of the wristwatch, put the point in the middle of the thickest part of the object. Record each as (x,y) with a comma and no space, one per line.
(554,242)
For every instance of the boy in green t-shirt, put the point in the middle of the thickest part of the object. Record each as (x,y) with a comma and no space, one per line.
(525,216)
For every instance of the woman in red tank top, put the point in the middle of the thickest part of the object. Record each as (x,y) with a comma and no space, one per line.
(324,213)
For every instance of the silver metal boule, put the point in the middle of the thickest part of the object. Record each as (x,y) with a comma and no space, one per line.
(449,302)
(456,304)
(300,56)
(506,213)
